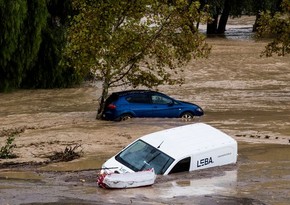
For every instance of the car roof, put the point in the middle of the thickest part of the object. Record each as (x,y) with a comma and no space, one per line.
(184,141)
(126,92)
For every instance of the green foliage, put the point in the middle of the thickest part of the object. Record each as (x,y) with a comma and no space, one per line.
(220,10)
(256,6)
(134,43)
(32,37)
(277,27)
(47,71)
(13,15)
(6,151)
(249,7)
(21,24)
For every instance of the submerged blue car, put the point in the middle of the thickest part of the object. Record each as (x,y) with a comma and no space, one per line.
(146,103)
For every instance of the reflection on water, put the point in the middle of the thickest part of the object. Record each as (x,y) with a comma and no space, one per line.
(19,175)
(87,163)
(225,183)
(215,185)
(233,32)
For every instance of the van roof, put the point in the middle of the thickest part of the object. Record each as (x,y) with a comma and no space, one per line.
(184,141)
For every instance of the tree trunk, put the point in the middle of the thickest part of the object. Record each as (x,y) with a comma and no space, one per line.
(212,27)
(201,7)
(224,18)
(105,90)
(256,24)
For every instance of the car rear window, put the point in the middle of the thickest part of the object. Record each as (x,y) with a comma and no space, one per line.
(111,98)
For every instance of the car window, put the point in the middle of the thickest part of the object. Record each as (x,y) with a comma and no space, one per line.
(157,99)
(140,98)
(141,156)
(182,166)
(112,98)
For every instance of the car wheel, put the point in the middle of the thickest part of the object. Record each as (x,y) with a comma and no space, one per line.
(125,117)
(187,116)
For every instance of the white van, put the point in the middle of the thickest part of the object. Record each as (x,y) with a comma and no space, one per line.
(186,148)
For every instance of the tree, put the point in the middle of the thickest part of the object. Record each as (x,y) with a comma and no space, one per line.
(32,38)
(134,43)
(13,14)
(259,6)
(21,24)
(48,72)
(221,10)
(214,11)
(278,27)
(224,17)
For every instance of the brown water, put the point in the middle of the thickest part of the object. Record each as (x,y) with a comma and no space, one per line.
(261,176)
(242,94)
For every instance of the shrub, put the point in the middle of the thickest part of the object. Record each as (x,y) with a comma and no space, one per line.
(70,153)
(6,151)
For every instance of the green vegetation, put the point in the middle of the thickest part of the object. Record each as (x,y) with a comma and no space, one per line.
(47,72)
(20,37)
(276,26)
(31,41)
(6,151)
(221,10)
(134,43)
(60,43)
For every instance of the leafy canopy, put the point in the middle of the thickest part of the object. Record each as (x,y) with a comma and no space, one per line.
(277,27)
(133,43)
(20,38)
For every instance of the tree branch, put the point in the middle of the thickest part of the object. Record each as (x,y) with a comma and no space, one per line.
(134,59)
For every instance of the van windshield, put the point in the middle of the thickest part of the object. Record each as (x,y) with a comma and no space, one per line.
(141,156)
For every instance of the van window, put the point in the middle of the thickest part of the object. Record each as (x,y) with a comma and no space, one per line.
(142,156)
(182,166)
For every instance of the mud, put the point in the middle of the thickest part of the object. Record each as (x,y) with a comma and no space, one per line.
(244,95)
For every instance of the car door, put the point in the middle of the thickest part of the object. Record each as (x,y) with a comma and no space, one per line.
(163,106)
(140,104)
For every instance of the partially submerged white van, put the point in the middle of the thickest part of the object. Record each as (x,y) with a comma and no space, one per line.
(186,148)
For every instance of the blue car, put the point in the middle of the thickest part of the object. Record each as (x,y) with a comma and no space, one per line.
(145,103)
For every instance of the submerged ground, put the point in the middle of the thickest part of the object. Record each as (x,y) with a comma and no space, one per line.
(244,95)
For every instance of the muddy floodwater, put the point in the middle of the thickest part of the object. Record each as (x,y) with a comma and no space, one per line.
(261,176)
(244,95)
